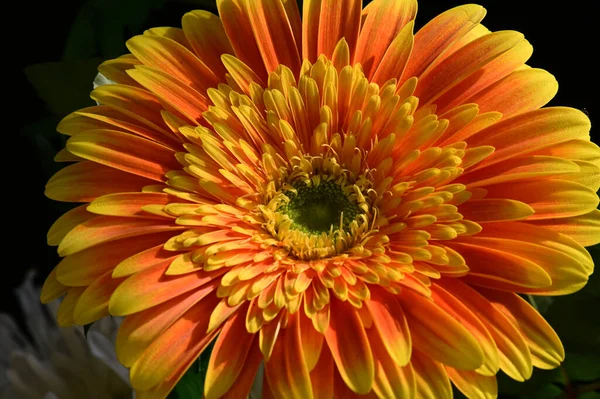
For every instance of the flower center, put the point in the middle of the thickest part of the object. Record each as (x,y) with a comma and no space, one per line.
(319,208)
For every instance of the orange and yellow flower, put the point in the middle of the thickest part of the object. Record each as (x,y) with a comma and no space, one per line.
(356,205)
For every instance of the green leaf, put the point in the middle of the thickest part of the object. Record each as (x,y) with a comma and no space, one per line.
(549,391)
(539,378)
(64,86)
(582,367)
(191,385)
(572,319)
(589,395)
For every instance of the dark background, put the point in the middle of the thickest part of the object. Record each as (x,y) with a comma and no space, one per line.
(58,46)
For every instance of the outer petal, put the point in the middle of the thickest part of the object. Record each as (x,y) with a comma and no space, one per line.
(431,378)
(473,385)
(337,22)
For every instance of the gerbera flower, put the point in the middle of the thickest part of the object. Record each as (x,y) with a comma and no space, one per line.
(58,362)
(356,205)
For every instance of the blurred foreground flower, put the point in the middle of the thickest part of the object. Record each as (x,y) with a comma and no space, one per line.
(352,203)
(51,362)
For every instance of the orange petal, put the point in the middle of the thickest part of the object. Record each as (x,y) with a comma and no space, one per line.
(336,22)
(245,380)
(93,303)
(312,341)
(438,334)
(86,181)
(549,198)
(525,167)
(143,260)
(207,37)
(122,151)
(467,318)
(171,57)
(67,222)
(395,58)
(64,314)
(236,23)
(390,324)
(521,91)
(585,229)
(107,228)
(516,271)
(513,353)
(531,131)
(500,67)
(228,356)
(273,34)
(473,385)
(127,204)
(347,340)
(186,338)
(176,96)
(467,60)
(286,370)
(137,104)
(431,378)
(52,289)
(546,349)
(494,210)
(311,12)
(391,380)
(139,330)
(115,69)
(439,33)
(385,20)
(321,377)
(152,287)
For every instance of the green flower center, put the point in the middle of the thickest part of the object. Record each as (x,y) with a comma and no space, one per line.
(319,208)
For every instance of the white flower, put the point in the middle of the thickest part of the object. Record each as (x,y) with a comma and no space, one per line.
(51,362)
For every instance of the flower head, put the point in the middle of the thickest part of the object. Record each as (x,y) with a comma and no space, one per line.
(352,203)
(58,362)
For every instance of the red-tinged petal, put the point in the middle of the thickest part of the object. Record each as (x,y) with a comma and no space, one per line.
(228,356)
(273,34)
(108,228)
(84,267)
(532,131)
(115,69)
(152,287)
(549,198)
(52,289)
(221,313)
(585,229)
(64,314)
(245,380)
(139,330)
(312,341)
(143,260)
(241,73)
(138,104)
(521,91)
(431,378)
(163,389)
(391,380)
(171,57)
(124,152)
(495,210)
(86,181)
(467,60)
(286,370)
(337,22)
(385,20)
(395,58)
(321,376)
(479,123)
(268,337)
(467,318)
(390,324)
(473,385)
(185,338)
(93,303)
(567,273)
(311,12)
(236,23)
(527,167)
(176,96)
(438,34)
(341,390)
(438,334)
(516,271)
(171,33)
(500,67)
(513,353)
(67,222)
(128,204)
(546,349)
(347,341)
(207,37)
